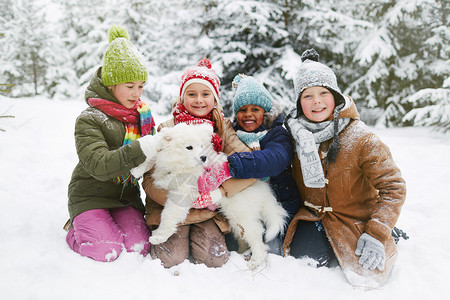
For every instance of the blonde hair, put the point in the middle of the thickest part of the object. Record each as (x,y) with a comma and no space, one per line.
(217,118)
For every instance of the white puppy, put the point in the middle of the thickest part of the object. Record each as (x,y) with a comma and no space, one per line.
(183,153)
(179,161)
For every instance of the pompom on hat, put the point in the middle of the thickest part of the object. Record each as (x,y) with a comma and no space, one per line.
(122,62)
(313,73)
(202,73)
(250,91)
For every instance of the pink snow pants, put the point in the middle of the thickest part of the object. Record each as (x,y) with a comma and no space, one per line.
(102,233)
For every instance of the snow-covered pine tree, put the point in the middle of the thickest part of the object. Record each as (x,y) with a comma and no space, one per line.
(171,42)
(7,69)
(25,47)
(395,59)
(431,106)
(247,37)
(86,35)
(61,81)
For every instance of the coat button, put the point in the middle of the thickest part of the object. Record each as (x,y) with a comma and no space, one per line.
(100,189)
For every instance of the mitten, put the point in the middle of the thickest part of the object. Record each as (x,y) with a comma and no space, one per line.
(213,177)
(149,145)
(371,251)
(208,200)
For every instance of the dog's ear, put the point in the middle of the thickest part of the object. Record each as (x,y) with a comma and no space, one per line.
(166,134)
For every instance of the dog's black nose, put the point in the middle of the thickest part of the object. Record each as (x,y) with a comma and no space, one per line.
(203,158)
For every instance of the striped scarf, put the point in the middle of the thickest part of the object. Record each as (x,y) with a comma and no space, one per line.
(138,121)
(252,139)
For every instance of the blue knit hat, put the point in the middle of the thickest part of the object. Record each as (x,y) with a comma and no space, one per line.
(250,91)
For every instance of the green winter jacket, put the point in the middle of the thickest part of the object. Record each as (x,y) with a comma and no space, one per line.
(102,158)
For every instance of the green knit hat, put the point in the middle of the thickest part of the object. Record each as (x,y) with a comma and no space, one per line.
(122,62)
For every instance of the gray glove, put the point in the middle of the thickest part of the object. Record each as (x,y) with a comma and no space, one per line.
(371,251)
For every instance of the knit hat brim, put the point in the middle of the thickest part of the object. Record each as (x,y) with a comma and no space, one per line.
(339,98)
(202,81)
(203,72)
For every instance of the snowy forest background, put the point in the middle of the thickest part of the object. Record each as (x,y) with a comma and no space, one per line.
(392,57)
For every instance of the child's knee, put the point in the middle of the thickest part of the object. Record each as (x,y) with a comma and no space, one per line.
(213,254)
(101,251)
(135,232)
(175,250)
(208,244)
(95,226)
(168,258)
(95,235)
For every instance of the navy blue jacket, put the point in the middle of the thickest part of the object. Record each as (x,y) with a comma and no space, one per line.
(274,161)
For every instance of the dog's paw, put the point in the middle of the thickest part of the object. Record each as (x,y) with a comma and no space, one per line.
(257,260)
(157,239)
(247,254)
(256,264)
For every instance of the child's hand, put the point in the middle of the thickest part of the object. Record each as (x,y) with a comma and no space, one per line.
(371,251)
(213,177)
(149,145)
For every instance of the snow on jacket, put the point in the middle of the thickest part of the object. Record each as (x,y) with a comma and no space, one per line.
(273,160)
(365,191)
(156,197)
(102,158)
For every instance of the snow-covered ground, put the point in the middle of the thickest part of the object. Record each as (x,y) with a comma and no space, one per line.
(37,156)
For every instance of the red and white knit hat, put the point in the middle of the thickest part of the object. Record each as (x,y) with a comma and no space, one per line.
(202,73)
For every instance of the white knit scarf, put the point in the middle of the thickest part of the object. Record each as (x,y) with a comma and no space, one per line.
(308,136)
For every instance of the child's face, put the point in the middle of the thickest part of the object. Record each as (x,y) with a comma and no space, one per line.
(198,99)
(317,103)
(128,93)
(250,117)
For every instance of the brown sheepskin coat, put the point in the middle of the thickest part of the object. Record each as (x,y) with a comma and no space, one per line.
(365,190)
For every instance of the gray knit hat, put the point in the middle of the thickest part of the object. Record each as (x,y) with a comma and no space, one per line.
(313,73)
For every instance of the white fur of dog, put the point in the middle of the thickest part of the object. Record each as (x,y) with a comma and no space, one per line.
(183,153)
(180,160)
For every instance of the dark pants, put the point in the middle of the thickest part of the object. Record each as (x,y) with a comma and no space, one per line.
(275,245)
(308,241)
